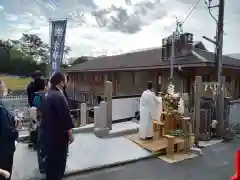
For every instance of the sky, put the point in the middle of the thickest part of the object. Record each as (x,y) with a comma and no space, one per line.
(106,27)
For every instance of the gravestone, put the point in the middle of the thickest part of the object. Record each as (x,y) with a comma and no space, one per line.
(100,120)
(108,90)
(83,114)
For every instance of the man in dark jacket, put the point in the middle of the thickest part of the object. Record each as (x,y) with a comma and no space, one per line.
(8,136)
(56,126)
(31,89)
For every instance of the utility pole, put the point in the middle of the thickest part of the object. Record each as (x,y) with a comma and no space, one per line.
(172,56)
(175,33)
(218,42)
(220,39)
(219,54)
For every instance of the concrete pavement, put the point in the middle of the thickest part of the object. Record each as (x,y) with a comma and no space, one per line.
(217,163)
(88,152)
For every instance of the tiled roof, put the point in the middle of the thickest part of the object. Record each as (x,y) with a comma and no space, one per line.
(150,58)
(227,60)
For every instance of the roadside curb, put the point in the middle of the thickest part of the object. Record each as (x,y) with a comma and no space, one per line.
(83,129)
(106,166)
(121,133)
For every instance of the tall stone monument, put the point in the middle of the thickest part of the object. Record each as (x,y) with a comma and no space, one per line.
(108,90)
(83,118)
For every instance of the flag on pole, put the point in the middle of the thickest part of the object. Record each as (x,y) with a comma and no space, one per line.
(57,43)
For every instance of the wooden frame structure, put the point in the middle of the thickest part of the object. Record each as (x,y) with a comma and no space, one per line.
(198,93)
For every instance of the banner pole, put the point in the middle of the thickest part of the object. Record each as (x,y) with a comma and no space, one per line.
(50,50)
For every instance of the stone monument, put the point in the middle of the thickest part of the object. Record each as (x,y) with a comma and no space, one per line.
(108,90)
(100,120)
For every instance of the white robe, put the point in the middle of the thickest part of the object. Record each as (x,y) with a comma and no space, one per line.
(148,104)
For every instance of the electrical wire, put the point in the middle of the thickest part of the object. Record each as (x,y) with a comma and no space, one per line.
(209,9)
(194,7)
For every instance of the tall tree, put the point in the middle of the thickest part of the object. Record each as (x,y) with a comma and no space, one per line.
(80,60)
(12,61)
(6,46)
(33,45)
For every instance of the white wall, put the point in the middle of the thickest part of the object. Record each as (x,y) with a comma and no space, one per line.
(15,102)
(121,108)
(124,108)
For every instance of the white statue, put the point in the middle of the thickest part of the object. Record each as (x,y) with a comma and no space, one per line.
(148,104)
(171,89)
(158,109)
(181,106)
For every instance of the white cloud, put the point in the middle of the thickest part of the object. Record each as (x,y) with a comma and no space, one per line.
(1,8)
(11,17)
(141,24)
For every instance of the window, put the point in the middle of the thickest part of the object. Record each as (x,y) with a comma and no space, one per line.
(149,76)
(206,78)
(228,79)
(133,78)
(136,77)
(105,77)
(97,78)
(82,77)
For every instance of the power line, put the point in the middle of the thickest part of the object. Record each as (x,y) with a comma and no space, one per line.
(191,11)
(209,9)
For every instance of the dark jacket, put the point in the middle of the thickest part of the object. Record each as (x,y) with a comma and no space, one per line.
(8,132)
(56,118)
(31,90)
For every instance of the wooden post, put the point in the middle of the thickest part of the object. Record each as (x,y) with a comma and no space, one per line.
(220,110)
(170,147)
(197,108)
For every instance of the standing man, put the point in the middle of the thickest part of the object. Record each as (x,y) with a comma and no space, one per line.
(148,104)
(41,86)
(31,89)
(56,126)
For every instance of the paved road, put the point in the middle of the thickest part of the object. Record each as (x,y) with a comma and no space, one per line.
(217,163)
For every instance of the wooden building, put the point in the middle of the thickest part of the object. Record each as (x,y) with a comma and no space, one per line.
(131,71)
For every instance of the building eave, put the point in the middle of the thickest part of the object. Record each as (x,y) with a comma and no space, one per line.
(141,68)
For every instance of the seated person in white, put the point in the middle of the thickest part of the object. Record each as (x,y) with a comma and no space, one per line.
(148,104)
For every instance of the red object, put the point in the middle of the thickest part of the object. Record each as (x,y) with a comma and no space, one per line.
(237,167)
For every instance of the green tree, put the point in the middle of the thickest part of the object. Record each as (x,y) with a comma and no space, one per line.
(79,60)
(33,45)
(15,62)
(6,46)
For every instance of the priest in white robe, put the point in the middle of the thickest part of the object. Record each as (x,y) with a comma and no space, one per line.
(148,104)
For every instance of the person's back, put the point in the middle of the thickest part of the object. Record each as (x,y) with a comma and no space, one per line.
(56,125)
(39,87)
(39,96)
(31,88)
(55,117)
(38,99)
(30,93)
(8,136)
